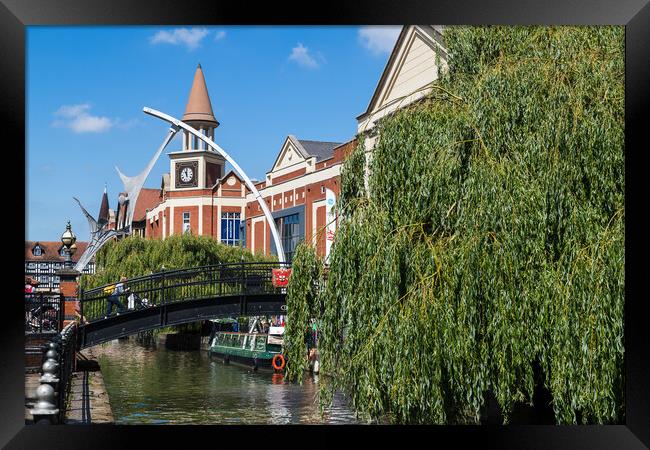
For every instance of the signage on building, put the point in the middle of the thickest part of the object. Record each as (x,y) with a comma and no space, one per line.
(330,220)
(280,277)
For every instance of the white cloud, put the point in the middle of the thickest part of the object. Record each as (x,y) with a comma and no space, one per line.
(79,120)
(69,111)
(379,39)
(219,35)
(190,37)
(90,124)
(301,56)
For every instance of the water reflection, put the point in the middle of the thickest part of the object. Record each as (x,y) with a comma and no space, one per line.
(149,385)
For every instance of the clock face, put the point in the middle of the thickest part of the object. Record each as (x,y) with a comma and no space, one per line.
(187,174)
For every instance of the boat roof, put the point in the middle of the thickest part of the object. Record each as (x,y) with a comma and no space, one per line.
(224,320)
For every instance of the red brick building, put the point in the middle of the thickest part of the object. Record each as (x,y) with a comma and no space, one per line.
(294,191)
(197,196)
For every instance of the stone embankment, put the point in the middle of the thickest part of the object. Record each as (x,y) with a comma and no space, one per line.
(88,401)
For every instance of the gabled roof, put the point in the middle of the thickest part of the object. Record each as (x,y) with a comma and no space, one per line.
(307,149)
(198,105)
(320,149)
(232,172)
(51,249)
(147,199)
(437,33)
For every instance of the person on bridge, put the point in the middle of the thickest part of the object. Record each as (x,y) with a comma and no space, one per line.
(114,298)
(78,317)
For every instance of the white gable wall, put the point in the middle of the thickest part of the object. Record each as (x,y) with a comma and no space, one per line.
(290,158)
(410,70)
(418,69)
(413,68)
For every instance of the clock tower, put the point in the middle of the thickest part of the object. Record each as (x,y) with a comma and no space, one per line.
(197,166)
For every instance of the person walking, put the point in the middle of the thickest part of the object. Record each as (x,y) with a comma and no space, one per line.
(114,298)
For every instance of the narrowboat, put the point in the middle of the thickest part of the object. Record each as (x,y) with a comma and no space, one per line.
(255,350)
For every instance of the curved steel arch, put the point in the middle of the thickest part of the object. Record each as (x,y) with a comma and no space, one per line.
(177,123)
(100,235)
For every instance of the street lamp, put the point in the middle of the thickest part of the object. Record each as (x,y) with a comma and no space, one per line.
(68,239)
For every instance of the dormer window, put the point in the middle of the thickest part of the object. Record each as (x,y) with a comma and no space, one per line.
(37,251)
(62,251)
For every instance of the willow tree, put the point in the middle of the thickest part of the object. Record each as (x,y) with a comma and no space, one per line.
(135,256)
(302,306)
(491,238)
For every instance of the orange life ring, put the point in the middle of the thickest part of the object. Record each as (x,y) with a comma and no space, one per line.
(275,364)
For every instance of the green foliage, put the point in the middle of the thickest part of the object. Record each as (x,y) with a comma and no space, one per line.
(493,237)
(135,256)
(302,304)
(352,176)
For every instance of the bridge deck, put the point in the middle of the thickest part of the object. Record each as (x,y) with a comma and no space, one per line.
(181,296)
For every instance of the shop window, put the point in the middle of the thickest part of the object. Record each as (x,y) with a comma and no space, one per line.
(289,228)
(230,228)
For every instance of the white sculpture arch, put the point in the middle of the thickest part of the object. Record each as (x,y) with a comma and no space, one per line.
(176,124)
(132,185)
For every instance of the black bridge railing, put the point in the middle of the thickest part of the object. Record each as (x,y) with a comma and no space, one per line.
(43,312)
(174,286)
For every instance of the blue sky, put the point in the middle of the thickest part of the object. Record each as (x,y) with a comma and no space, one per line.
(86,87)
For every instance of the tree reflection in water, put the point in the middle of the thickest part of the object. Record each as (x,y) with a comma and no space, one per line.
(148,384)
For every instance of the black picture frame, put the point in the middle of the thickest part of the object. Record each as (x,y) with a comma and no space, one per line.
(15,15)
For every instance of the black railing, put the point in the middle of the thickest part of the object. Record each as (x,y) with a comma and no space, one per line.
(43,312)
(67,358)
(59,355)
(174,286)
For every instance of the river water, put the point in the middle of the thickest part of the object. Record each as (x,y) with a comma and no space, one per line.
(148,384)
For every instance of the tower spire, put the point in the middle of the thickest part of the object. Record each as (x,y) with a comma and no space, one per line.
(103,209)
(199,107)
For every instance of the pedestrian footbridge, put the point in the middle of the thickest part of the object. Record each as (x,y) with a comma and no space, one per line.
(181,296)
